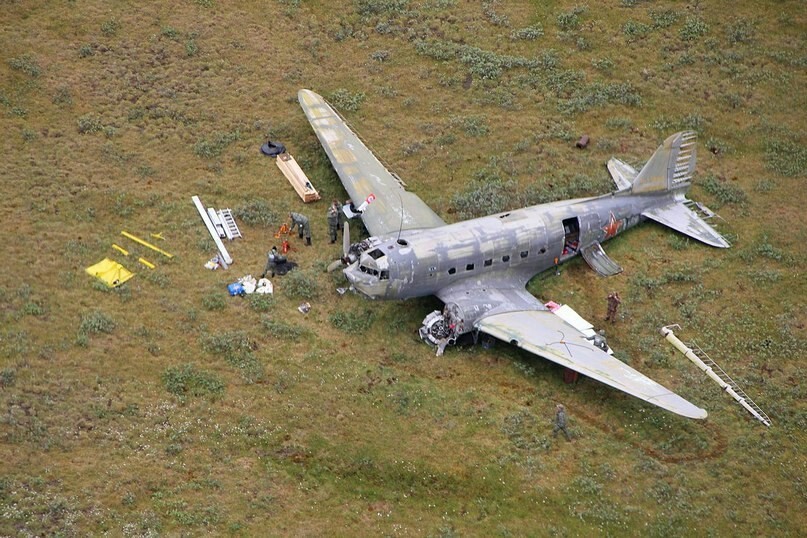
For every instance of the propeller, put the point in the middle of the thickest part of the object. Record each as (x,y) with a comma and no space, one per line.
(336,264)
(346,239)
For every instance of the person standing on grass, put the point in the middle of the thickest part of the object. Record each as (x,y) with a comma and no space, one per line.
(613,302)
(303,227)
(560,422)
(333,220)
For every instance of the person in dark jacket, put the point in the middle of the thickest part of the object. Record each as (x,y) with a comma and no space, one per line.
(560,422)
(303,227)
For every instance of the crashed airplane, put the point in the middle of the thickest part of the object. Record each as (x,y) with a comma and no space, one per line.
(479,268)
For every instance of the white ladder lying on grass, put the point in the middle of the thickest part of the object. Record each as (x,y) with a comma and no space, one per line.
(228,221)
(705,363)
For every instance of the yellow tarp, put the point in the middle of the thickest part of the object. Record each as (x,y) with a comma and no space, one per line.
(110,272)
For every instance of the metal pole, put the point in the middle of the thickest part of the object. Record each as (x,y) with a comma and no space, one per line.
(689,354)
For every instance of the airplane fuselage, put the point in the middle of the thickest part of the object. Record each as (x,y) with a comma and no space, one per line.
(515,244)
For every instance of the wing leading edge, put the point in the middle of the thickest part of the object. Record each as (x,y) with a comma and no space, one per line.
(520,319)
(362,174)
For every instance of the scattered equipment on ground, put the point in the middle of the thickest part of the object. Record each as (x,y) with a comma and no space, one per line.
(264,286)
(224,222)
(272,149)
(147,244)
(110,272)
(224,257)
(297,178)
(283,230)
(213,263)
(120,249)
(146,263)
(705,363)
(236,288)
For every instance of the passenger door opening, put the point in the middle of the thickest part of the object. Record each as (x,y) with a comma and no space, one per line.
(571,238)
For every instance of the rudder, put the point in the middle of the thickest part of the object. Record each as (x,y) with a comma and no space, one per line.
(670,167)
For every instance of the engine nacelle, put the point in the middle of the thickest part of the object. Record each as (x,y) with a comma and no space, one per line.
(441,328)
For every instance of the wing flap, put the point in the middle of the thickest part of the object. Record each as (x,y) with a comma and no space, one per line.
(543,333)
(362,174)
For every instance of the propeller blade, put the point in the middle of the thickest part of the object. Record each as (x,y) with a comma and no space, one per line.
(346,240)
(334,265)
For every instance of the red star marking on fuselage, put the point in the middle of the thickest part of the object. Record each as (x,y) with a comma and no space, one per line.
(612,227)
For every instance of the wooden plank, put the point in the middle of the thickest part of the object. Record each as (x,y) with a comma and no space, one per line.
(297,178)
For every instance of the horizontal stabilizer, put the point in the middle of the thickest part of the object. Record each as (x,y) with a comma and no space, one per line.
(622,173)
(682,219)
(598,260)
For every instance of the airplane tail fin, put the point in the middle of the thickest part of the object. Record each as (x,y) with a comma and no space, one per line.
(670,167)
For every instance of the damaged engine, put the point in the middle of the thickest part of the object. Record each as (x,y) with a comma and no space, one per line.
(442,328)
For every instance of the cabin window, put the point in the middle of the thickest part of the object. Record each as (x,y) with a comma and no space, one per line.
(489,262)
(384,275)
(505,215)
(506,258)
(543,249)
(452,270)
(525,253)
(469,267)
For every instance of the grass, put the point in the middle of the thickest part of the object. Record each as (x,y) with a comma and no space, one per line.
(211,414)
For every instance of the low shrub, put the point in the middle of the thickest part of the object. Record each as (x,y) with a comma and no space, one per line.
(786,157)
(188,380)
(281,329)
(344,100)
(694,27)
(257,212)
(215,145)
(570,20)
(89,123)
(353,322)
(530,33)
(27,64)
(96,322)
(301,284)
(725,192)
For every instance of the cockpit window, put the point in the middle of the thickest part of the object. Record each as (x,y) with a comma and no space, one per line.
(375,254)
(384,275)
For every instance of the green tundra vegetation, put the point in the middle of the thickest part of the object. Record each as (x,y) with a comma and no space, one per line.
(166,407)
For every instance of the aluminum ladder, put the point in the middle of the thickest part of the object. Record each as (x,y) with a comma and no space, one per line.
(230,227)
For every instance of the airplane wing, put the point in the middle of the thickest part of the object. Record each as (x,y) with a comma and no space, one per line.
(515,316)
(362,174)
